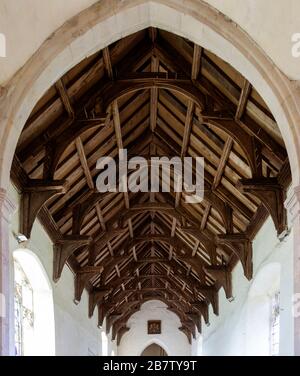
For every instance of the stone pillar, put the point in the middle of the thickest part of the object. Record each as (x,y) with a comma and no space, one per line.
(6,300)
(293,206)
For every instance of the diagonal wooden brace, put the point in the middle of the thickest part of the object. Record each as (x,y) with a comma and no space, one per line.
(222,274)
(272,195)
(241,245)
(34,196)
(80,281)
(196,318)
(82,209)
(95,298)
(63,249)
(202,307)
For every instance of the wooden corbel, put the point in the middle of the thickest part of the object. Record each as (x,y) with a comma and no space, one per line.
(222,274)
(111,319)
(272,195)
(241,245)
(81,279)
(102,312)
(95,298)
(120,334)
(211,294)
(196,318)
(202,307)
(34,196)
(187,332)
(63,249)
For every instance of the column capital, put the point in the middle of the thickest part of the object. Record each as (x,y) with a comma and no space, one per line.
(7,206)
(292,202)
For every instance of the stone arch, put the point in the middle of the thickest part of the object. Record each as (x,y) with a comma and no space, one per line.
(194,20)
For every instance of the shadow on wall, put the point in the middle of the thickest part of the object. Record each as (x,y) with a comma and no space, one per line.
(263,294)
(34,310)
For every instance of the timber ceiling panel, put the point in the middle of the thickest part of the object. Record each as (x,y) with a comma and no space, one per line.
(155,94)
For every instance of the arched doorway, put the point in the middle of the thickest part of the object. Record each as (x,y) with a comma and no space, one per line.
(19,106)
(154,350)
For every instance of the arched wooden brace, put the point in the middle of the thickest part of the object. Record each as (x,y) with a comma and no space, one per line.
(111,319)
(141,81)
(187,332)
(223,275)
(95,298)
(102,312)
(242,138)
(202,307)
(241,245)
(196,318)
(190,325)
(207,243)
(63,249)
(55,148)
(222,208)
(82,209)
(150,206)
(120,334)
(114,90)
(272,195)
(211,294)
(123,320)
(111,265)
(34,196)
(80,281)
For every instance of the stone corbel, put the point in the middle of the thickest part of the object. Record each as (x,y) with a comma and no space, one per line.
(272,196)
(241,245)
(34,196)
(63,249)
(222,274)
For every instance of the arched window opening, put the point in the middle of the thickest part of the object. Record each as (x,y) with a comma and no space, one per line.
(33,306)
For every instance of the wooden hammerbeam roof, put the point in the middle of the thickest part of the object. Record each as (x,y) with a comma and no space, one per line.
(155,94)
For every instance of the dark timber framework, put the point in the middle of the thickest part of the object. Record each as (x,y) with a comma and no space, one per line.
(155,94)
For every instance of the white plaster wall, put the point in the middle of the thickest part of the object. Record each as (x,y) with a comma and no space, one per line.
(171,339)
(269,22)
(75,333)
(241,328)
